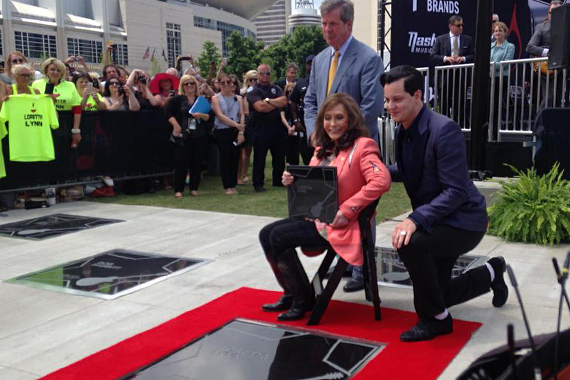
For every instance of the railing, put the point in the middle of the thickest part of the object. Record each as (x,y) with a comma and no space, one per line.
(517,94)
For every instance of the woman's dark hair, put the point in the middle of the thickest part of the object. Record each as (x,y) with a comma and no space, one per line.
(413,80)
(107,92)
(81,74)
(235,79)
(355,129)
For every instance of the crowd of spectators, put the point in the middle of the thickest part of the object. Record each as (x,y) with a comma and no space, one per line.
(230,122)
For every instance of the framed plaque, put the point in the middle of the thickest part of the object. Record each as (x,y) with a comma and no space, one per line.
(314,193)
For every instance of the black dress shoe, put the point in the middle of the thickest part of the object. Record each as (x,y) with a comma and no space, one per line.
(353,285)
(284,303)
(260,189)
(297,311)
(499,287)
(427,329)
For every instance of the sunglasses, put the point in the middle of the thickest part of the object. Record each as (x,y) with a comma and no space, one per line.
(114,84)
(264,73)
(223,83)
(458,25)
(189,84)
(17,61)
(24,75)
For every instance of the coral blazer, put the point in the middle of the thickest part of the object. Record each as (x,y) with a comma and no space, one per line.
(362,178)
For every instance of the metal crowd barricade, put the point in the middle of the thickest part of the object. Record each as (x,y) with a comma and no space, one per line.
(525,89)
(452,93)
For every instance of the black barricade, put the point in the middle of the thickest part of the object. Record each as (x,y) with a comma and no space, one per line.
(119,144)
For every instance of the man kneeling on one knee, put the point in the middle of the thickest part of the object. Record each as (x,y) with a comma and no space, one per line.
(449,216)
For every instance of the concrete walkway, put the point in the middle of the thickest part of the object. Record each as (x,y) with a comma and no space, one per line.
(41,331)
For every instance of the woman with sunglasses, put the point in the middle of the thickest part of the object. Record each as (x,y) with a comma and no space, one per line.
(118,97)
(250,79)
(22,75)
(189,136)
(229,131)
(16,58)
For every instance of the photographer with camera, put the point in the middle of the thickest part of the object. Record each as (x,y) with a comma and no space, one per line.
(118,97)
(91,100)
(163,87)
(138,80)
(189,136)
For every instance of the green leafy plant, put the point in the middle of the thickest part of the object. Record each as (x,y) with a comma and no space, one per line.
(533,209)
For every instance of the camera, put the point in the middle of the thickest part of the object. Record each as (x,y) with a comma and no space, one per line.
(142,80)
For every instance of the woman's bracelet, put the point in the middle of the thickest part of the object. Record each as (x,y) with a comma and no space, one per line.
(75,131)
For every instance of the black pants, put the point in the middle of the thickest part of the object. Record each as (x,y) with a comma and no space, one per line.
(306,150)
(292,155)
(277,145)
(189,158)
(430,258)
(285,235)
(229,156)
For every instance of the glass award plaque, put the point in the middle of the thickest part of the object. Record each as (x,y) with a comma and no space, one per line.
(249,350)
(314,193)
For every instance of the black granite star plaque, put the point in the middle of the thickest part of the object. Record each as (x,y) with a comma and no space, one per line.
(247,350)
(52,225)
(392,271)
(109,275)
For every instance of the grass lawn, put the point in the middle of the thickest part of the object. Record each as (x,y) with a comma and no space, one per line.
(273,202)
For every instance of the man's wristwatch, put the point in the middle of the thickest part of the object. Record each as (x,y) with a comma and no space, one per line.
(266,100)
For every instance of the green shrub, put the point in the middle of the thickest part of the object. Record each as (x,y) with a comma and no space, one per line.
(533,209)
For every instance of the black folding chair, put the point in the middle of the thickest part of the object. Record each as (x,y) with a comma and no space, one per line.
(324,295)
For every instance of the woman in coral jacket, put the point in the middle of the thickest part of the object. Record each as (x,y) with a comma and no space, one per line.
(342,141)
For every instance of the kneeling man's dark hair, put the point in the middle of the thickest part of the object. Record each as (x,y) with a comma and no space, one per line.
(413,80)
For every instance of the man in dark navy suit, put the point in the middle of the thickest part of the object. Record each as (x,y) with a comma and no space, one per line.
(449,216)
(453,48)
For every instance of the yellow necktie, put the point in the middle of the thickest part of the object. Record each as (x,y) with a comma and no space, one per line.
(332,71)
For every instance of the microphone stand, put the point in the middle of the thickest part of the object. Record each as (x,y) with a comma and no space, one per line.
(511,343)
(563,296)
(537,372)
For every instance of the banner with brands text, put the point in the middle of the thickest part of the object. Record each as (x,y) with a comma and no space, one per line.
(417,23)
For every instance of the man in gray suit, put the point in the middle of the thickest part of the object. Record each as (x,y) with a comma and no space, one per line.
(349,65)
(538,46)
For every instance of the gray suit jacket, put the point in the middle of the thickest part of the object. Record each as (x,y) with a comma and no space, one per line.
(540,40)
(358,75)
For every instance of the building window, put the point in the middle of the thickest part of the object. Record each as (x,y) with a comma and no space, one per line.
(34,45)
(173,42)
(122,55)
(89,50)
(202,22)
(227,30)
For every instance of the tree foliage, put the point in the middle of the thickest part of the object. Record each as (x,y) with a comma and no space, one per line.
(243,54)
(304,41)
(533,209)
(210,53)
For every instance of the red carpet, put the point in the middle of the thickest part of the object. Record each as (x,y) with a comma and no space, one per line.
(424,360)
